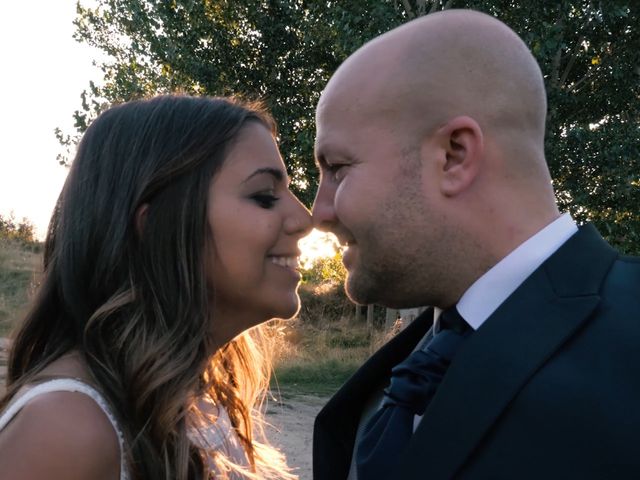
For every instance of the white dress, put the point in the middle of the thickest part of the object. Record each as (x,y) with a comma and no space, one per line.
(66,385)
(219,436)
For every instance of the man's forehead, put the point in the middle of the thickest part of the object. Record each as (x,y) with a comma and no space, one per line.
(338,112)
(331,103)
(339,125)
(331,142)
(328,124)
(325,145)
(349,92)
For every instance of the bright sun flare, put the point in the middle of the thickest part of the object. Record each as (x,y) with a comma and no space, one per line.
(317,245)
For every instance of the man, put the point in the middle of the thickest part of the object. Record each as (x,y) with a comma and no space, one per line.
(430,142)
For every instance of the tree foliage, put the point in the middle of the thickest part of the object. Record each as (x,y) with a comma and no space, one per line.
(279,51)
(326,270)
(284,51)
(13,229)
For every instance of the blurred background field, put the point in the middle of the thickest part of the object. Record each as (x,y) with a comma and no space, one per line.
(320,350)
(20,266)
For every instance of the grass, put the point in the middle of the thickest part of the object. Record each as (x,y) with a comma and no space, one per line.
(19,267)
(320,378)
(318,359)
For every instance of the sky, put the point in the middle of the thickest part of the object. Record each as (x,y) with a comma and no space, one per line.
(44,71)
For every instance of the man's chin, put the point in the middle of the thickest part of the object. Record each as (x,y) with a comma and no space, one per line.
(360,290)
(366,290)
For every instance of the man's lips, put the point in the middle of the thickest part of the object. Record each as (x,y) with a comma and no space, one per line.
(345,241)
(348,255)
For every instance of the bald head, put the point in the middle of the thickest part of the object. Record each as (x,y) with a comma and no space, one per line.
(451,63)
(437,126)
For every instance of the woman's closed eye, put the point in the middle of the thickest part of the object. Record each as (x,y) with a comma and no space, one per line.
(265,200)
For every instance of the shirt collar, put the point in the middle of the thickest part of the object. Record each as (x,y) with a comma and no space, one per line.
(487,293)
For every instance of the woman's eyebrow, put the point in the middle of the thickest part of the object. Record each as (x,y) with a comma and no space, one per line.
(276,173)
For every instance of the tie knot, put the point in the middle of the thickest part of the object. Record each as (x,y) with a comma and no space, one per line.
(450,319)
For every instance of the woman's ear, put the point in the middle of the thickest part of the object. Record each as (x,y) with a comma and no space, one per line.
(141,218)
(463,146)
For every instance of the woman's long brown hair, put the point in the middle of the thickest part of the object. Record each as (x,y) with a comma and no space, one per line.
(135,301)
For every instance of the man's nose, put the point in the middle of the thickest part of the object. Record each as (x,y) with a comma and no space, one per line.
(323,212)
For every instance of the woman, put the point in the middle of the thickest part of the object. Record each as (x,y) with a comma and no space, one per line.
(174,233)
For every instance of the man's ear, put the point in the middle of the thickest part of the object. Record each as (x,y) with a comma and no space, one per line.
(463,146)
(141,218)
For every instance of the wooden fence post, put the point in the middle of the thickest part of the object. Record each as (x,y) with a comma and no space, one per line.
(370,317)
(390,318)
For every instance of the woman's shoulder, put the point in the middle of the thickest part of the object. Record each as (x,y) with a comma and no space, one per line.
(60,434)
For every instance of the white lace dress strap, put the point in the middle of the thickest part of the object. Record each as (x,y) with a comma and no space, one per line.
(67,385)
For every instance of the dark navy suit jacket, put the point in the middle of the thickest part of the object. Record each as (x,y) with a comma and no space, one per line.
(547,388)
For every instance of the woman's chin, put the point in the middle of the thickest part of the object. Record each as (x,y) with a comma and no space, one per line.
(289,309)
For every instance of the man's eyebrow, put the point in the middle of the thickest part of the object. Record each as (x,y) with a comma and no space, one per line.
(276,173)
(318,154)
(327,158)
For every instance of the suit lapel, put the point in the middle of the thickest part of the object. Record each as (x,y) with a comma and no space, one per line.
(337,423)
(497,361)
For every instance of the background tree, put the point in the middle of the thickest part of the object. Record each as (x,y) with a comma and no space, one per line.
(326,270)
(279,51)
(284,51)
(20,230)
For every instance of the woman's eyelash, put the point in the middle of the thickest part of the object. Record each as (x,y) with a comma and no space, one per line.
(265,200)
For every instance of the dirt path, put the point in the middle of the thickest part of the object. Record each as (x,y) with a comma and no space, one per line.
(292,429)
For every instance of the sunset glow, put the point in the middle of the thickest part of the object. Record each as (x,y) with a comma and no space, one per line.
(317,245)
